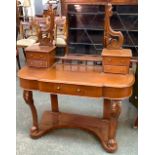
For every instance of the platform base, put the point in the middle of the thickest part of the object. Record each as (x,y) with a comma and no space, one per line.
(55,120)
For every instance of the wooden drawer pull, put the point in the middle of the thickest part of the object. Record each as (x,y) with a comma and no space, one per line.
(109,59)
(58,87)
(78,90)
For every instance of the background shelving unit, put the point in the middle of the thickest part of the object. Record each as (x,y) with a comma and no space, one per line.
(86,27)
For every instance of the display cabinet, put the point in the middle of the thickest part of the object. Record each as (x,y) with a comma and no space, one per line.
(86,27)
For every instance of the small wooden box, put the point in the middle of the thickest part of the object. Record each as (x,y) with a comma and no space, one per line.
(116,61)
(40,56)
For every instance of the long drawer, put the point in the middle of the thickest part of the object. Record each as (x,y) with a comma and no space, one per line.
(70,89)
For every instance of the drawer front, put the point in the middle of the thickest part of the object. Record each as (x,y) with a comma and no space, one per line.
(82,90)
(116,61)
(37,63)
(39,56)
(71,89)
(116,69)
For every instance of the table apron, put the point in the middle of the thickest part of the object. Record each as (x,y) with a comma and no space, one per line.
(78,90)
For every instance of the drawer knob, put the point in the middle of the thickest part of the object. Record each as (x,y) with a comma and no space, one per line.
(109,59)
(58,88)
(78,90)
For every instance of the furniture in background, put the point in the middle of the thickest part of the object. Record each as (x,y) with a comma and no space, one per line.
(26,5)
(82,80)
(19,9)
(28,35)
(85,24)
(61,33)
(17,31)
(17,58)
(134,98)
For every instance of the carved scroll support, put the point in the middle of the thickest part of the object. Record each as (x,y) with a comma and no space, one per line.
(28,97)
(46,38)
(112,39)
(113,110)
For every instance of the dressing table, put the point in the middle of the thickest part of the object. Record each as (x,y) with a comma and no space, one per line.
(82,79)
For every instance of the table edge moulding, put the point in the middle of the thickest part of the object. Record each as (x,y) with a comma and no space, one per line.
(57,77)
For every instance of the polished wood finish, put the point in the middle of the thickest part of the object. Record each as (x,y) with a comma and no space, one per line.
(80,80)
(110,35)
(113,87)
(70,75)
(104,129)
(116,61)
(71,89)
(46,36)
(116,69)
(40,56)
(92,83)
(28,97)
(54,103)
(115,112)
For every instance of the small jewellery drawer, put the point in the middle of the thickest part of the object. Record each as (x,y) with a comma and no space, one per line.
(116,69)
(71,89)
(116,61)
(36,56)
(40,56)
(38,63)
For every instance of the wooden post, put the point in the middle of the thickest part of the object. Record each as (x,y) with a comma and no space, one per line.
(54,103)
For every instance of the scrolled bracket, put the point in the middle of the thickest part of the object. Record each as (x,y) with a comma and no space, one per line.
(28,97)
(47,39)
(112,39)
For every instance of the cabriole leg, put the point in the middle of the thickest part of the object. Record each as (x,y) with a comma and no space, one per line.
(28,97)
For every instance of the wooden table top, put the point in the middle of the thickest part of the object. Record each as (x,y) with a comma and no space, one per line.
(77,75)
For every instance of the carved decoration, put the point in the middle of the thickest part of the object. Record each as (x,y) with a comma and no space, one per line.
(115,109)
(46,38)
(112,39)
(35,25)
(28,97)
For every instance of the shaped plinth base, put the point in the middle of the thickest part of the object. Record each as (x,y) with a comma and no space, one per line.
(55,120)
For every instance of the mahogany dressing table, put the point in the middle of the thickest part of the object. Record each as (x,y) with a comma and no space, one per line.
(113,84)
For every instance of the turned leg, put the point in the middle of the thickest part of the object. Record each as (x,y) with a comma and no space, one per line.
(54,103)
(28,97)
(107,109)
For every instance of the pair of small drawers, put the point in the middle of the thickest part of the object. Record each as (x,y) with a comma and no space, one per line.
(116,61)
(71,89)
(40,56)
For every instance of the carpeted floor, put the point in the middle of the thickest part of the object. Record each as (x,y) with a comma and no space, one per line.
(72,141)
